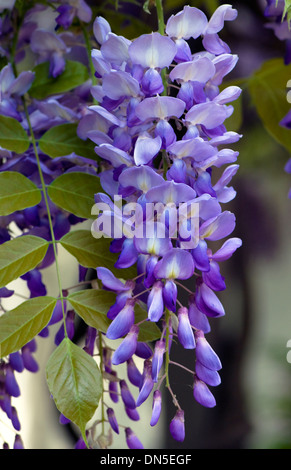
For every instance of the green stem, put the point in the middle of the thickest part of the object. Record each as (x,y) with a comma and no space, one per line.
(167,352)
(89,50)
(43,185)
(160,14)
(103,419)
(161,29)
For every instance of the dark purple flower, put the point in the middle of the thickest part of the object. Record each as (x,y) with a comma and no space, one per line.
(177,426)
(126,395)
(127,348)
(147,383)
(132,440)
(112,420)
(202,394)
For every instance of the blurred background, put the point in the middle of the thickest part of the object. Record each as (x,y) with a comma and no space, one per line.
(254,400)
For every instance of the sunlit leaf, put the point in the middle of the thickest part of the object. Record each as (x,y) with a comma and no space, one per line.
(75,382)
(23,323)
(93,252)
(17,192)
(20,255)
(63,140)
(75,74)
(12,135)
(74,192)
(267,88)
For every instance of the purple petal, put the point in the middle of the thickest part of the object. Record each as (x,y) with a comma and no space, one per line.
(11,385)
(152,82)
(110,281)
(16,361)
(157,407)
(133,374)
(21,84)
(231,93)
(146,148)
(155,304)
(15,420)
(101,28)
(227,249)
(128,256)
(28,360)
(200,255)
(84,12)
(218,227)
(185,332)
(177,264)
(170,294)
(114,155)
(159,107)
(177,426)
(208,114)
(18,444)
(147,384)
(117,84)
(127,348)
(143,350)
(126,395)
(122,323)
(201,69)
(165,131)
(195,148)
(205,354)
(171,192)
(132,440)
(188,23)
(112,420)
(43,41)
(152,50)
(213,278)
(208,376)
(213,44)
(224,64)
(222,13)
(115,49)
(142,178)
(202,394)
(207,302)
(157,360)
(132,414)
(198,319)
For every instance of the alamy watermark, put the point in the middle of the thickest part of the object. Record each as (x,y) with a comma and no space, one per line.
(147,220)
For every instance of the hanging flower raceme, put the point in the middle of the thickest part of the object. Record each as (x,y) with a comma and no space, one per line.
(160,134)
(278,14)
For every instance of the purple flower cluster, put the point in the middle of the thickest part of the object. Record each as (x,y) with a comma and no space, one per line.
(37,41)
(159,129)
(280,24)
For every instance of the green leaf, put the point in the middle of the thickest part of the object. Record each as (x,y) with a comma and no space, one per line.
(20,255)
(17,192)
(75,383)
(23,323)
(92,306)
(75,74)
(74,192)
(12,135)
(267,88)
(92,252)
(63,140)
